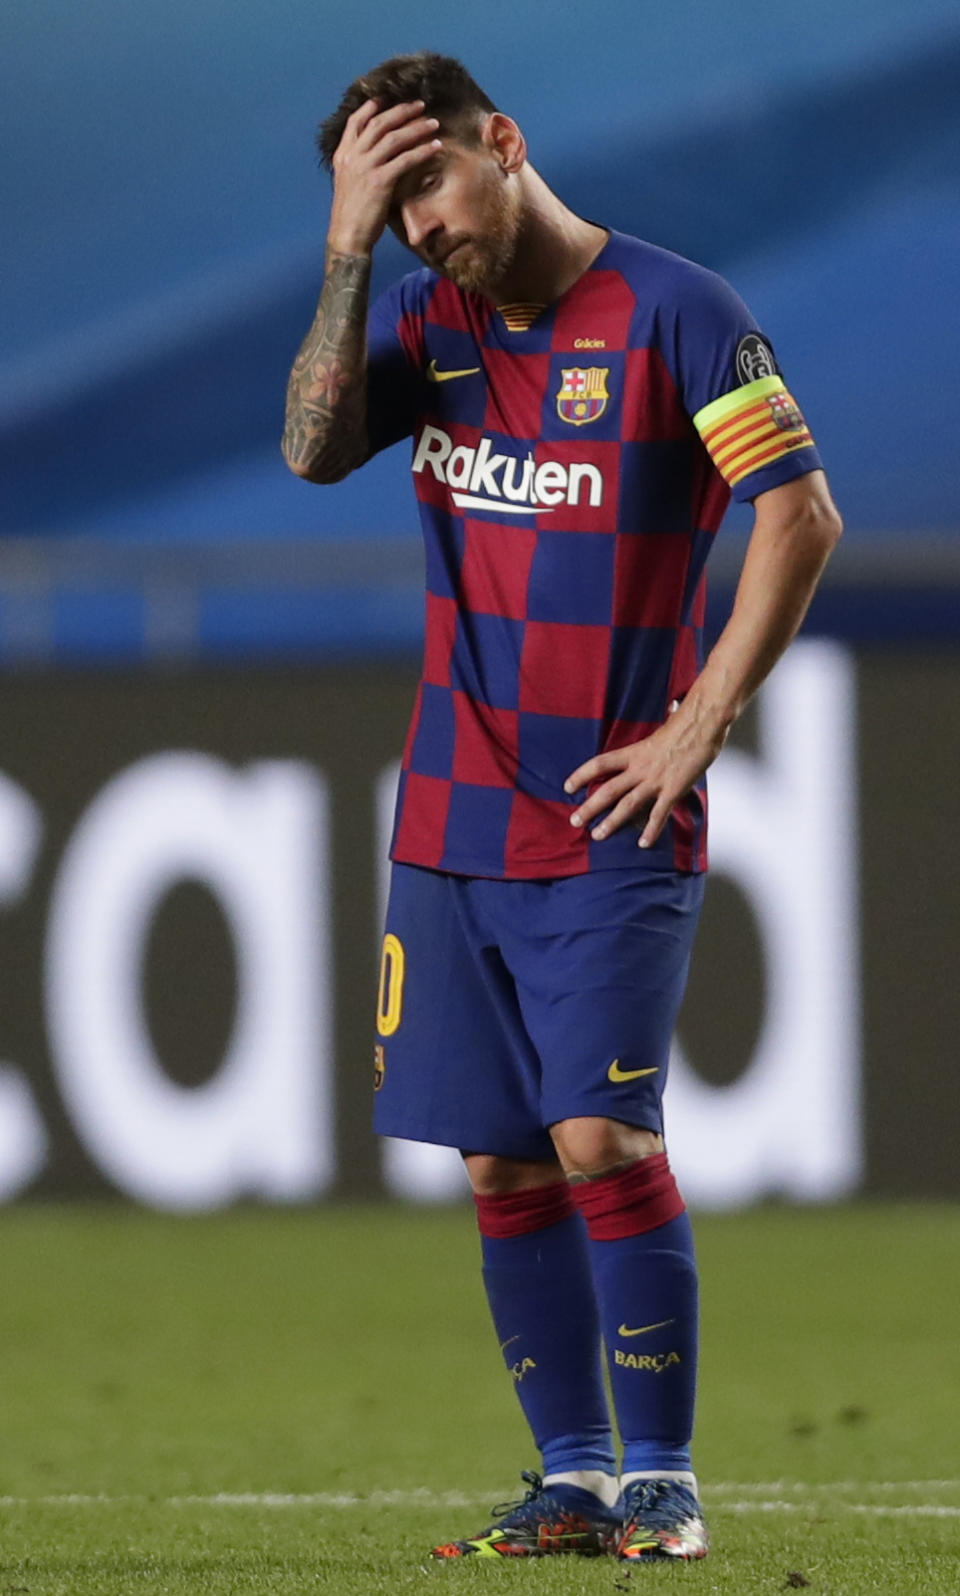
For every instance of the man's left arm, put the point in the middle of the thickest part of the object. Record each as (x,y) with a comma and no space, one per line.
(796,525)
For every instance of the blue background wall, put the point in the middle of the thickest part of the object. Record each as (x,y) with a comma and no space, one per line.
(164,222)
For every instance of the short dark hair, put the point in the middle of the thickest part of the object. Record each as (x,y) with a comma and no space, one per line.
(443,84)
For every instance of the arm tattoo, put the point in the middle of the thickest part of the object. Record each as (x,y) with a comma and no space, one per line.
(325,434)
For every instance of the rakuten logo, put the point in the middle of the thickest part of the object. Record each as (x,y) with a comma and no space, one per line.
(481,480)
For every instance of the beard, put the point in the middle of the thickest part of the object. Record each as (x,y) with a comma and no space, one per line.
(477,262)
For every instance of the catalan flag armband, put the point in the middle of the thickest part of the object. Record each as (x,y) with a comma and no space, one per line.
(752,427)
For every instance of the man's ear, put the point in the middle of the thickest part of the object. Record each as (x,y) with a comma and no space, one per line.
(502,137)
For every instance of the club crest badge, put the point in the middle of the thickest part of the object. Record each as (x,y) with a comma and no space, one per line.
(583,394)
(785,412)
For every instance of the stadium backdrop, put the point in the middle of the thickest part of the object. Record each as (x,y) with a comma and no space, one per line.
(192,869)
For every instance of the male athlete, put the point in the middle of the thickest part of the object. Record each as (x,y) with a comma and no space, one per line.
(581,405)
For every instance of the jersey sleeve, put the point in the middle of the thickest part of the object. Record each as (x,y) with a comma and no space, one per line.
(735,394)
(394,372)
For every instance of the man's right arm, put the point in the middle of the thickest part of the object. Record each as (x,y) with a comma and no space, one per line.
(325,436)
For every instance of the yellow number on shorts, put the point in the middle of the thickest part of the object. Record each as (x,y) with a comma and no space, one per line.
(390,997)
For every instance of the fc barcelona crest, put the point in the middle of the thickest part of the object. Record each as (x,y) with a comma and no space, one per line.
(583,394)
(785,412)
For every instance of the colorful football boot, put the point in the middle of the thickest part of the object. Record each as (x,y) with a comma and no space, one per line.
(661,1518)
(550,1519)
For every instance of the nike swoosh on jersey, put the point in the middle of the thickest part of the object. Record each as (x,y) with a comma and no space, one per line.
(615,1073)
(433,375)
(641,1330)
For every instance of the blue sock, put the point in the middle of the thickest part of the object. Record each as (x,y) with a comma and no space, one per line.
(541,1296)
(647,1285)
(645,1276)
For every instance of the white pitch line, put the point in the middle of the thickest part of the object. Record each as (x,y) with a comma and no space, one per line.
(421,1497)
(775,1487)
(918,1510)
(871,1509)
(743,1497)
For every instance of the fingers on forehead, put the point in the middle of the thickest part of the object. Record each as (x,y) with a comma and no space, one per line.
(410,166)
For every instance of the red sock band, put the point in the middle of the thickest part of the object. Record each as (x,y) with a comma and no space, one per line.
(519,1212)
(630,1202)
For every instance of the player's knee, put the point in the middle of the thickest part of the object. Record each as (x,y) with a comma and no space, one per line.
(592,1146)
(491,1176)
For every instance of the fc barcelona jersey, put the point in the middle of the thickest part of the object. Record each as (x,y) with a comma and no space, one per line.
(572,465)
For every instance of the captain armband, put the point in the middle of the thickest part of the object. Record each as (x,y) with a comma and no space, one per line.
(752,427)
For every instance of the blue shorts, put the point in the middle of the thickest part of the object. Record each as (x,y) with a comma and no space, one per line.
(505,1006)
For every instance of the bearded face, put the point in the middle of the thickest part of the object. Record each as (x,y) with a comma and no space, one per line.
(487,250)
(461,217)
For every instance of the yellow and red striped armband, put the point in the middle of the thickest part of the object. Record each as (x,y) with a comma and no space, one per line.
(752,427)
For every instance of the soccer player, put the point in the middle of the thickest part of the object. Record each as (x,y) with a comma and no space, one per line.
(581,406)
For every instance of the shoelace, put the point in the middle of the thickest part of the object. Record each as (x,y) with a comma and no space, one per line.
(651,1501)
(536,1489)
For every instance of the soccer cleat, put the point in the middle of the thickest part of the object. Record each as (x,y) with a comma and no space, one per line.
(550,1519)
(661,1518)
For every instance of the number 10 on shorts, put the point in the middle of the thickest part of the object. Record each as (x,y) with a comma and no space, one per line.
(390,994)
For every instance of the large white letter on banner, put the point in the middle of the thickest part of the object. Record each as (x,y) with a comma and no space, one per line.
(783,828)
(256,839)
(23,1136)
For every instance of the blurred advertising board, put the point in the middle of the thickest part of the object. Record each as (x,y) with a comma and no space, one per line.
(192,874)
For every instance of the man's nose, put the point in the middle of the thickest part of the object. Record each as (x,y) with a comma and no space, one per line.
(418,224)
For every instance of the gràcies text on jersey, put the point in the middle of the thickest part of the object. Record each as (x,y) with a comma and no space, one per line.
(479,479)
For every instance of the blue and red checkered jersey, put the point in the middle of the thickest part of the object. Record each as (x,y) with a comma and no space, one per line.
(572,464)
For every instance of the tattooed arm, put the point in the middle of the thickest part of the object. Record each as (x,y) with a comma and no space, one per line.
(326,430)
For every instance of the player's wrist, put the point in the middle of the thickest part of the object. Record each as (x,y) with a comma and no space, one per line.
(711,708)
(352,230)
(354,246)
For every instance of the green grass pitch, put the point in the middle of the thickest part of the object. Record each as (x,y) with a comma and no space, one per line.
(302,1402)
